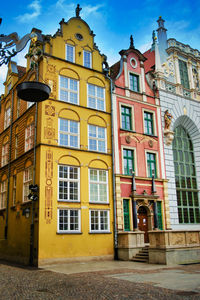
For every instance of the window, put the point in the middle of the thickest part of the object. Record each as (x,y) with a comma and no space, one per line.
(5,153)
(126,215)
(68,183)
(68,220)
(96,97)
(29,137)
(18,107)
(126,118)
(87,61)
(98,185)
(68,90)
(68,133)
(148,123)
(14,188)
(99,221)
(3,194)
(184,74)
(27,181)
(70,53)
(134,82)
(151,165)
(185,177)
(128,160)
(97,138)
(7,117)
(16,145)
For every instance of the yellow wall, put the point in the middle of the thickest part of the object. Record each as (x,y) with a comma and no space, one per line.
(85,244)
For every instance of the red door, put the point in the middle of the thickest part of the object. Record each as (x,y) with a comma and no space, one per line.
(143,222)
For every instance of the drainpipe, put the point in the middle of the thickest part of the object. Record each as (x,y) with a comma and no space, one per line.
(31,258)
(9,168)
(113,173)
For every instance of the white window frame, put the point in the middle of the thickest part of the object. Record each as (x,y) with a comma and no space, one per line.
(84,61)
(73,52)
(5,153)
(14,189)
(99,230)
(96,97)
(99,183)
(139,81)
(154,120)
(69,180)
(157,163)
(68,90)
(68,133)
(68,219)
(132,114)
(29,136)
(3,194)
(26,182)
(7,117)
(97,139)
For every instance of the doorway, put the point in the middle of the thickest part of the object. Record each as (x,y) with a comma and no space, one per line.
(143,222)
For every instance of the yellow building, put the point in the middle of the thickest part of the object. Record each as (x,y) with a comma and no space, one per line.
(73,217)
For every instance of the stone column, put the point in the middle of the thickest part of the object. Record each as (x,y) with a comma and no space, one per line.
(178,78)
(190,75)
(155,215)
(135,224)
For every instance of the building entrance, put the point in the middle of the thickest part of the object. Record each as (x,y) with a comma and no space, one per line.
(143,222)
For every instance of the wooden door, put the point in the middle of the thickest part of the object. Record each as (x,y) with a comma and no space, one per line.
(143,222)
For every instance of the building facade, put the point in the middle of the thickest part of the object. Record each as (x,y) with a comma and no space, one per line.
(141,186)
(73,216)
(177,74)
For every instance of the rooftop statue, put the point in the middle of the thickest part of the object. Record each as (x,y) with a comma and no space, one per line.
(78,9)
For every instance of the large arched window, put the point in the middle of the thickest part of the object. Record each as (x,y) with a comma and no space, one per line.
(185,177)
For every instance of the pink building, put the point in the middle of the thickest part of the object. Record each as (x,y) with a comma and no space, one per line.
(139,158)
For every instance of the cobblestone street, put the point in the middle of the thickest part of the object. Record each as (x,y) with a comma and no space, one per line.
(30,283)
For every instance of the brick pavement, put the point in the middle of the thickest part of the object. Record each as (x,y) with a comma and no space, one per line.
(31,283)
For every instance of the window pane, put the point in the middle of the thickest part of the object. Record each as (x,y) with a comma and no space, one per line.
(186,184)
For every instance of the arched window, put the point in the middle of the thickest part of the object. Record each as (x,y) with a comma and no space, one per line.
(185,177)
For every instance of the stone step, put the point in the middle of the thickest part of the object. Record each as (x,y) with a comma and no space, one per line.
(142,255)
(140,260)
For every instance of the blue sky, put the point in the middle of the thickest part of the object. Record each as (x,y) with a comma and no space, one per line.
(112,21)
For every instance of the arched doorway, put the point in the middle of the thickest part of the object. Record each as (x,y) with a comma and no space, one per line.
(143,222)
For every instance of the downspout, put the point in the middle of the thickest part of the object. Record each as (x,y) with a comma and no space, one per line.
(113,174)
(9,168)
(31,258)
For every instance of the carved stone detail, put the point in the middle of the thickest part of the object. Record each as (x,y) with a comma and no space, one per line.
(49,187)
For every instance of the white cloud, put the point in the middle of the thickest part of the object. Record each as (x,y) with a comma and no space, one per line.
(35,8)
(88,10)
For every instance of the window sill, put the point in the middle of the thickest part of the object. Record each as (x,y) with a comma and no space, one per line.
(60,233)
(152,135)
(69,201)
(103,203)
(26,202)
(100,232)
(123,129)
